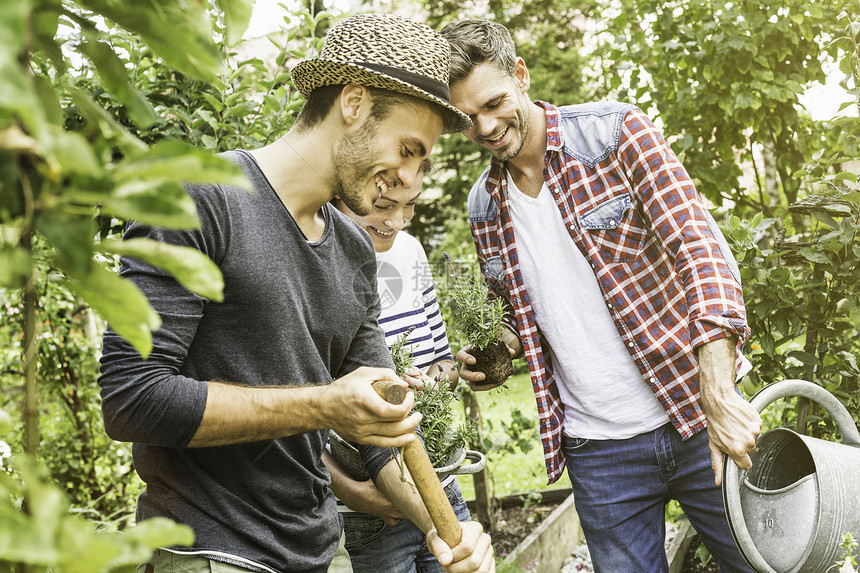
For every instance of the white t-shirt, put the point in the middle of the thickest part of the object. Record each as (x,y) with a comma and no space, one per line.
(604,395)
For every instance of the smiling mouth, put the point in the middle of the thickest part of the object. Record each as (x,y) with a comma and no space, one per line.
(497,139)
(382,186)
(383,233)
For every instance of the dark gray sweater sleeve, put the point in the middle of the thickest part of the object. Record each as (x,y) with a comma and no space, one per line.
(150,401)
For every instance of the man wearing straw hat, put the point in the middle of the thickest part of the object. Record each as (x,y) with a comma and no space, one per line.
(229,414)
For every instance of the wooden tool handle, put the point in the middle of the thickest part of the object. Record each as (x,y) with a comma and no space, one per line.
(390,392)
(426,482)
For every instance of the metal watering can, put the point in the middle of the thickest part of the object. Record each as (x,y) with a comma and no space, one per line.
(790,512)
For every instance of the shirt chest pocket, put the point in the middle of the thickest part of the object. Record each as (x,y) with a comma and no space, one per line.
(617,229)
(494,271)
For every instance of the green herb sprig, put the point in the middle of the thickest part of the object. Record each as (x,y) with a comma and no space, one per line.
(476,317)
(441,437)
(402,354)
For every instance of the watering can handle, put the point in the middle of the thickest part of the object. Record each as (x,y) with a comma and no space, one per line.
(814,392)
(731,472)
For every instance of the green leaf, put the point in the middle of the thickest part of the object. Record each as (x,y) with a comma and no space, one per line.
(72,152)
(839,208)
(153,203)
(767,344)
(114,76)
(83,550)
(208,141)
(14,29)
(805,357)
(216,104)
(14,266)
(111,129)
(44,90)
(72,238)
(179,162)
(194,270)
(178,31)
(814,255)
(237,15)
(826,219)
(45,22)
(121,304)
(137,543)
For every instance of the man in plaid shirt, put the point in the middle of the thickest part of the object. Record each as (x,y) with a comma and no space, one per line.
(623,296)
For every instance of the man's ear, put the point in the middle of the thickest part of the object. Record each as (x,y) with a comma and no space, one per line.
(521,75)
(354,101)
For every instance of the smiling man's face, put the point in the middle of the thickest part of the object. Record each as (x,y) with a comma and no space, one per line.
(380,155)
(498,107)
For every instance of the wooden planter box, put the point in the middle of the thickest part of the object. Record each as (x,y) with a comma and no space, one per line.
(547,547)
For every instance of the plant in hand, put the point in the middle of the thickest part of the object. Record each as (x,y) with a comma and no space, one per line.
(477,318)
(442,439)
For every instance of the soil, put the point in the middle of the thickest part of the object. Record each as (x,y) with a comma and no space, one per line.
(513,524)
(495,362)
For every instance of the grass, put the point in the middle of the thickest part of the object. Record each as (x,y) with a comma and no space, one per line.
(517,472)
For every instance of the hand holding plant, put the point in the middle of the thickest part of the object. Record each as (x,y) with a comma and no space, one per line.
(477,319)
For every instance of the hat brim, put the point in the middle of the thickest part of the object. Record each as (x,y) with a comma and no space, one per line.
(314,73)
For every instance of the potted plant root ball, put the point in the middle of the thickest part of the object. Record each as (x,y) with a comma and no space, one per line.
(477,318)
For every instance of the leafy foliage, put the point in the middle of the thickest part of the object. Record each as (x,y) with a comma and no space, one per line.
(442,438)
(96,472)
(475,317)
(95,98)
(800,271)
(519,433)
(47,534)
(726,77)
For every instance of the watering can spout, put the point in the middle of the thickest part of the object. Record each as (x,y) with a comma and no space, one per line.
(791,510)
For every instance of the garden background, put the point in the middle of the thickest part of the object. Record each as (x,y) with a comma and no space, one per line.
(107,107)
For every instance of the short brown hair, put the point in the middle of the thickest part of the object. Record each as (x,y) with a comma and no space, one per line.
(474,41)
(322,99)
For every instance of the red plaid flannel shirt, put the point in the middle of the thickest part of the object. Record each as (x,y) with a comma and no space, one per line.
(633,212)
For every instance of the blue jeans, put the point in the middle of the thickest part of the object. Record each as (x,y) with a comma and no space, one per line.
(621,488)
(401,548)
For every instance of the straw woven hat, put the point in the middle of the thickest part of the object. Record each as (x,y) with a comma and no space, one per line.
(383,51)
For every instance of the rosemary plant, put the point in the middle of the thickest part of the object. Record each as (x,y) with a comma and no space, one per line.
(442,438)
(476,317)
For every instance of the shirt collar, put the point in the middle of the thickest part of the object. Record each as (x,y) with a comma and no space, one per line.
(553,143)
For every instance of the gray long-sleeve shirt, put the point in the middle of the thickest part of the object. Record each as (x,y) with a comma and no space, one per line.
(294,313)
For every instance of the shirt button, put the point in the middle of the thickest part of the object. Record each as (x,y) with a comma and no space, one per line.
(609,305)
(593,266)
(630,344)
(653,380)
(612,222)
(571,227)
